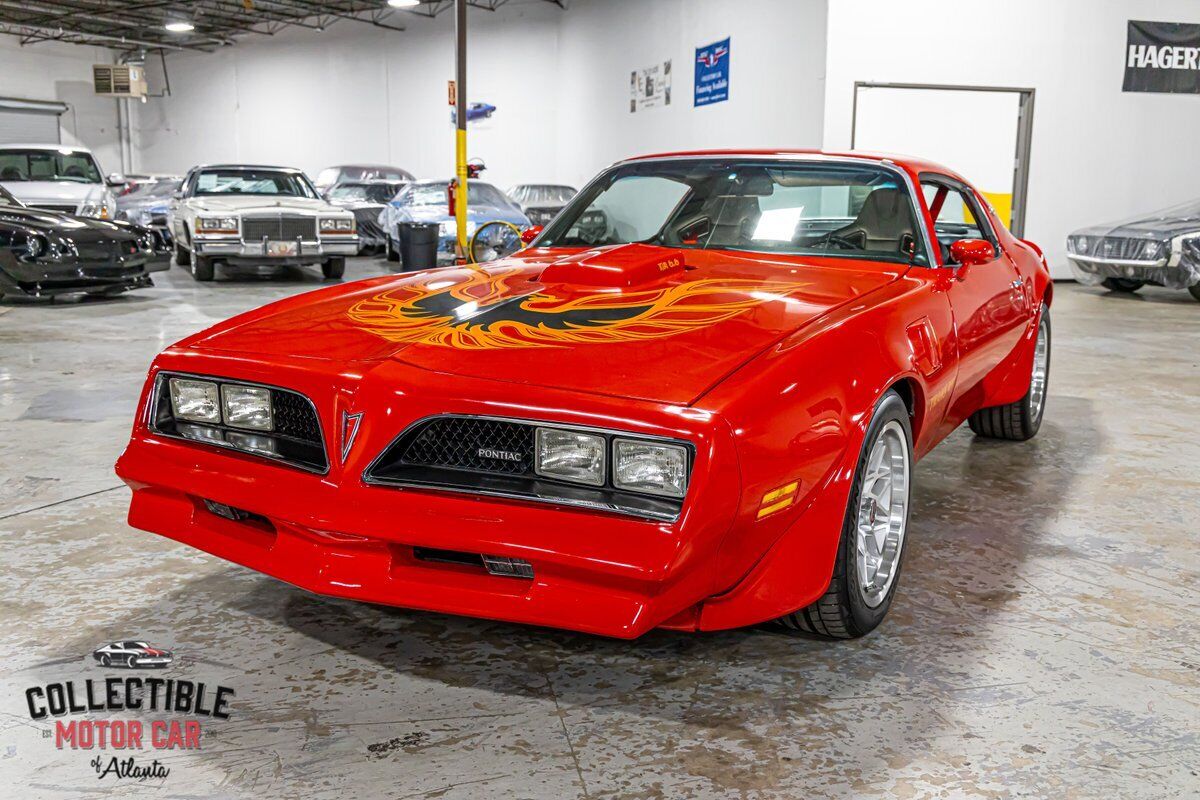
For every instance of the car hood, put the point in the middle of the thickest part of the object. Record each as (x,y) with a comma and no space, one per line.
(1160,225)
(632,321)
(83,228)
(234,204)
(56,191)
(478,214)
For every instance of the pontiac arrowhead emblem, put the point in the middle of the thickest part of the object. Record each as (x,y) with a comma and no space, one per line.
(350,424)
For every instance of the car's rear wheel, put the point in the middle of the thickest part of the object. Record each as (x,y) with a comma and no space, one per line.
(203,268)
(1193,290)
(867,568)
(334,268)
(392,253)
(1021,420)
(1123,285)
(105,661)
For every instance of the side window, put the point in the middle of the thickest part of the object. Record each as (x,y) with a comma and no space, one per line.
(956,216)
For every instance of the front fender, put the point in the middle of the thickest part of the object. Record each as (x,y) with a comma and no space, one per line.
(800,414)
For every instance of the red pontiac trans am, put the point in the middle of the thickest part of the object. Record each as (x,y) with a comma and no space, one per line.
(693,402)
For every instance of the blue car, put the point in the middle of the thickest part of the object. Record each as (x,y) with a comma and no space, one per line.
(475,112)
(425,201)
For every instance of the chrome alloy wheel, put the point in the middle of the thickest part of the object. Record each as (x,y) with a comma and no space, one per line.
(1041,368)
(882,513)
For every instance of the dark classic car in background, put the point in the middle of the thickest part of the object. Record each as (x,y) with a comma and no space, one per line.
(366,199)
(1160,248)
(541,201)
(357,173)
(44,253)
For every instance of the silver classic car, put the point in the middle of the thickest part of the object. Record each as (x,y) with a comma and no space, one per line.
(257,216)
(1160,248)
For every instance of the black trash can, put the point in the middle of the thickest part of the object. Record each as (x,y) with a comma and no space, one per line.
(418,245)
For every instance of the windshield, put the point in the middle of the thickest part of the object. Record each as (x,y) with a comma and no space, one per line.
(48,165)
(7,199)
(252,181)
(434,194)
(544,195)
(372,174)
(796,207)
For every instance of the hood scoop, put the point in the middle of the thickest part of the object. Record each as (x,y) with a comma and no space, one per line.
(621,267)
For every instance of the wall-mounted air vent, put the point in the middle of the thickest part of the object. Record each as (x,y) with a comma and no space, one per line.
(119,80)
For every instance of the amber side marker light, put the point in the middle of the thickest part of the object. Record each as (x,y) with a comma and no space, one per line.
(778,499)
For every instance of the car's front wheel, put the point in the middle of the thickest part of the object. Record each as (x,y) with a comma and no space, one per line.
(334,268)
(391,253)
(183,256)
(1123,285)
(132,663)
(105,661)
(1021,420)
(867,568)
(1194,290)
(203,268)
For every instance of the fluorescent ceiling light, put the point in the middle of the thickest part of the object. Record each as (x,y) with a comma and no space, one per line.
(179,26)
(403,3)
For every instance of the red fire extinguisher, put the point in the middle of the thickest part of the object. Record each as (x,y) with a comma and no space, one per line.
(450,195)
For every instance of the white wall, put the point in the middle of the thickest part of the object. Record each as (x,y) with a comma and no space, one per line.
(1098,154)
(63,72)
(560,81)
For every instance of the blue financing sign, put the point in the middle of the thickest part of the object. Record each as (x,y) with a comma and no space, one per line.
(712,73)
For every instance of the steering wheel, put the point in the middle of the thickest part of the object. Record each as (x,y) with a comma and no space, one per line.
(841,241)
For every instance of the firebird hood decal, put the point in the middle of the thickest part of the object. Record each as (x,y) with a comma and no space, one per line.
(500,310)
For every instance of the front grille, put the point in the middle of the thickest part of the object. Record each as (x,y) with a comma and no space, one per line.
(283,229)
(490,456)
(465,442)
(1122,248)
(294,417)
(57,207)
(105,251)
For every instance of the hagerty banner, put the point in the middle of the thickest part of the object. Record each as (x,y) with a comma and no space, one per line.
(1162,57)
(712,73)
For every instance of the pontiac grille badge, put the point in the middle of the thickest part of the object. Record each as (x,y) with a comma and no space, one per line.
(350,424)
(500,455)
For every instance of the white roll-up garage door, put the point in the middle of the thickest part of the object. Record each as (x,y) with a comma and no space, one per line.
(29,121)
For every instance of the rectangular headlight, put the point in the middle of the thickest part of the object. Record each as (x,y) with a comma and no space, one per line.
(197,401)
(337,225)
(247,406)
(216,225)
(570,456)
(650,468)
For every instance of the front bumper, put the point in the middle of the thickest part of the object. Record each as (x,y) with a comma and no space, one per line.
(1174,273)
(333,534)
(235,251)
(47,279)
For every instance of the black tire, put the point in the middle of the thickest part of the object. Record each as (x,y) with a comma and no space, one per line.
(334,268)
(105,661)
(132,663)
(1019,421)
(843,611)
(392,253)
(183,256)
(1193,290)
(203,268)
(1122,285)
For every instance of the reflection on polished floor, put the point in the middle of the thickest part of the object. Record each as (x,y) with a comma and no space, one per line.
(1043,643)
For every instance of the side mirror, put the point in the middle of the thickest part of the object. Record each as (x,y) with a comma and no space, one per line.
(116,179)
(969,252)
(529,234)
